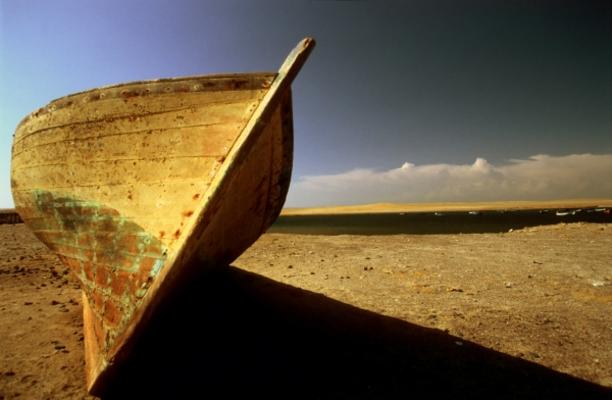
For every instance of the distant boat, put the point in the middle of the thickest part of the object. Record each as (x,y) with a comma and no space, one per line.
(438,214)
(132,185)
(474,212)
(8,216)
(562,213)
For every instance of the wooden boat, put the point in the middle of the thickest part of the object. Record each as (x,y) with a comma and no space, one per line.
(133,184)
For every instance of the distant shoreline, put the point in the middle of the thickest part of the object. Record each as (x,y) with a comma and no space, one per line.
(448,207)
(375,208)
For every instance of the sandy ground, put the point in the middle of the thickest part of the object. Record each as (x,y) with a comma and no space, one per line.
(543,294)
(534,305)
(41,342)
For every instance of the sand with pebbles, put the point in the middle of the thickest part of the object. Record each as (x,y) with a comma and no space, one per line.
(529,310)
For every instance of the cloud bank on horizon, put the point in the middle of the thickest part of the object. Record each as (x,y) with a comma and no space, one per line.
(540,177)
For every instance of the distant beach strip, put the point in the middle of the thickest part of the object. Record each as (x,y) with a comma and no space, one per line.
(439,218)
(453,222)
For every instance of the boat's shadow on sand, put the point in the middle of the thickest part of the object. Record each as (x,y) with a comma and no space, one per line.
(231,332)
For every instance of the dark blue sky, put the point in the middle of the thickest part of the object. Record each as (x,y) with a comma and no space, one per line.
(427,82)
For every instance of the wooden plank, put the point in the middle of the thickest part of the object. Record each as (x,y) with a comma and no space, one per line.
(109,108)
(115,98)
(189,117)
(206,140)
(63,176)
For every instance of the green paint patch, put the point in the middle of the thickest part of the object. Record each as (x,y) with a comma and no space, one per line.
(111,255)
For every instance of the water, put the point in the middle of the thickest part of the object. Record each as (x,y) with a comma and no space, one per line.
(431,223)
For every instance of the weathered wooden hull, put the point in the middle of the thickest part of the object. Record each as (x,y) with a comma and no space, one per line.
(133,184)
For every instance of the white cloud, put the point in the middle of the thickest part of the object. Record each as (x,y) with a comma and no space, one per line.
(540,177)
